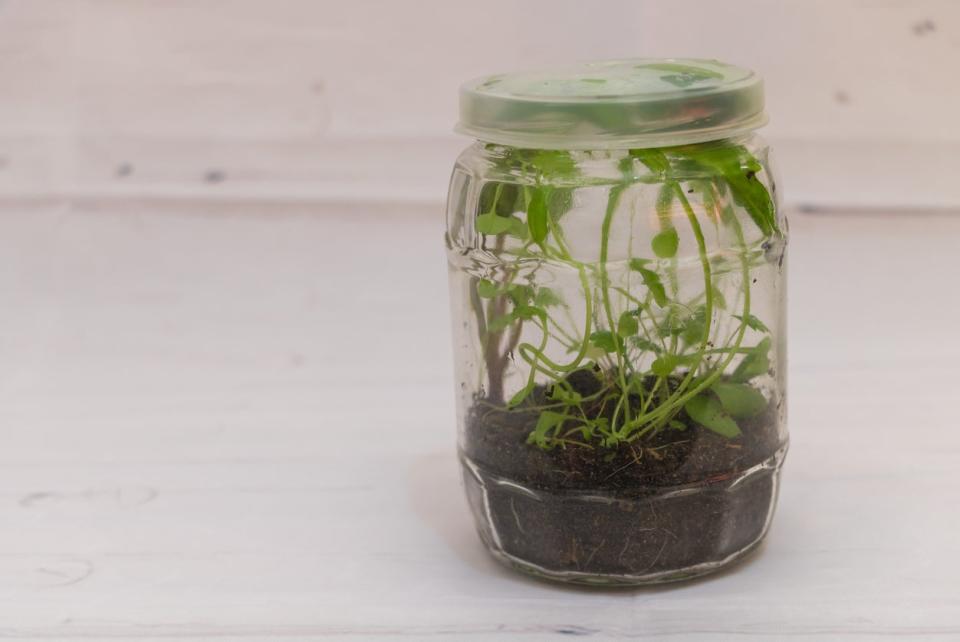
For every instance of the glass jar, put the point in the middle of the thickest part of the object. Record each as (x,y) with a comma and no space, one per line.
(617,281)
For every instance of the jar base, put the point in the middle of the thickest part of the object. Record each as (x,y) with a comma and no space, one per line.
(649,535)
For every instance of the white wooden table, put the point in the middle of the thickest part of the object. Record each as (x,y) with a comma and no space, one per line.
(237,422)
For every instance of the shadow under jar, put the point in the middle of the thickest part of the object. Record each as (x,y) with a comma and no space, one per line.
(617,284)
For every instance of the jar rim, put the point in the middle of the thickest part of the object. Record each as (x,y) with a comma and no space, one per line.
(627,103)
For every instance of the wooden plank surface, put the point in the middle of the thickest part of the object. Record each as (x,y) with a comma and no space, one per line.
(236,422)
(304,100)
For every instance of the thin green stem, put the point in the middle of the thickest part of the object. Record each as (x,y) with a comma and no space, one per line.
(674,401)
(612,202)
(677,401)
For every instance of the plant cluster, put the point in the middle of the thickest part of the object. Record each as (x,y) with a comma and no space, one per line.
(653,355)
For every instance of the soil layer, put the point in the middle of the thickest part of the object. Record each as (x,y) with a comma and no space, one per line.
(677,500)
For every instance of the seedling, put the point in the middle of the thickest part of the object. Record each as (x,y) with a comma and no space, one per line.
(645,355)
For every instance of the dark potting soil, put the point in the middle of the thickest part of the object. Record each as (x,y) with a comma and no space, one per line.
(616,511)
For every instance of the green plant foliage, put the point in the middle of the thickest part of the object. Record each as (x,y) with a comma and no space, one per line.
(520,294)
(487,289)
(665,243)
(707,411)
(604,340)
(641,353)
(654,159)
(665,365)
(739,170)
(547,298)
(695,326)
(740,399)
(553,163)
(559,202)
(651,279)
(493,224)
(628,325)
(537,216)
(753,322)
(548,421)
(502,199)
(520,396)
(755,363)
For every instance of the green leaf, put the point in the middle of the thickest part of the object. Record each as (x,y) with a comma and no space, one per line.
(520,395)
(520,294)
(547,421)
(695,325)
(569,397)
(677,425)
(547,298)
(593,426)
(537,215)
(499,198)
(604,340)
(601,424)
(754,363)
(739,169)
(554,163)
(654,159)
(750,193)
(488,197)
(650,279)
(501,322)
(487,289)
(527,312)
(627,325)
(753,323)
(664,365)
(518,229)
(664,204)
(491,224)
(559,202)
(665,243)
(674,321)
(718,299)
(739,399)
(707,411)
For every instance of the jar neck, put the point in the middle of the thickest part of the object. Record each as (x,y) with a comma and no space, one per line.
(740,138)
(581,167)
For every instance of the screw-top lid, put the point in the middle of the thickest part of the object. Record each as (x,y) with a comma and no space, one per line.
(610,104)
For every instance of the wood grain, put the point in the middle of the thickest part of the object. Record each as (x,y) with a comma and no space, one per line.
(236,422)
(304,101)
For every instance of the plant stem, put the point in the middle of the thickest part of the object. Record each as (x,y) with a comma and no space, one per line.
(717,372)
(612,203)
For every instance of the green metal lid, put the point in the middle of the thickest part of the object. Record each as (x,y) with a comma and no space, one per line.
(613,104)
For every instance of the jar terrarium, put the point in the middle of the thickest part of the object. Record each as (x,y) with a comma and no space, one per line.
(616,258)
